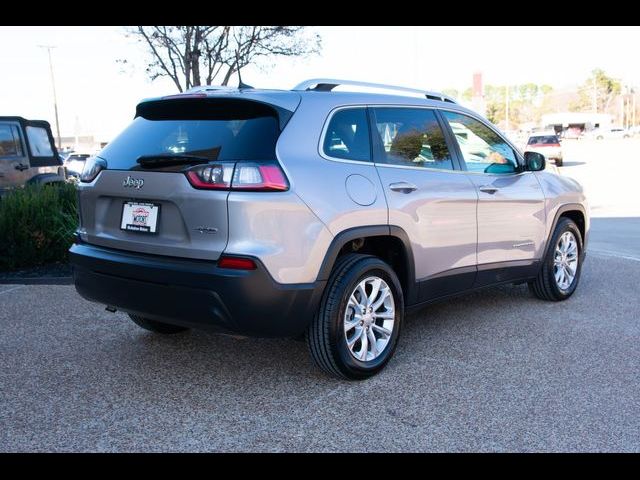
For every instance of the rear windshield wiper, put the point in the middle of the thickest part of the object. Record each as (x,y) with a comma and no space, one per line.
(171,159)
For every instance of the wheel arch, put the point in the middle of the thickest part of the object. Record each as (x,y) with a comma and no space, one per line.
(390,243)
(45,178)
(572,211)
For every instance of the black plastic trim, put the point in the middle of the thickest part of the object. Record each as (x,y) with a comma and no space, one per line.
(347,236)
(512,271)
(194,293)
(569,207)
(446,283)
(454,283)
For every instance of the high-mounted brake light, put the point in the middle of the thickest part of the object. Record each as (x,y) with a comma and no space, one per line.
(246,176)
(185,95)
(237,263)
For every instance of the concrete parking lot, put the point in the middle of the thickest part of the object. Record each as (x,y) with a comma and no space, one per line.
(496,370)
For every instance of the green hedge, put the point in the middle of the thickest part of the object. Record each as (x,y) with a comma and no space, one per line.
(37,224)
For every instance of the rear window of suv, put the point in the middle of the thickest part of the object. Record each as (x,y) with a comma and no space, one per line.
(218,129)
(543,140)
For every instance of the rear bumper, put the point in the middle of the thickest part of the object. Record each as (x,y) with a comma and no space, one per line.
(194,293)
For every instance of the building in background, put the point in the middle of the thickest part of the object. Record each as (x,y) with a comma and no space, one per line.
(477,97)
(82,144)
(575,123)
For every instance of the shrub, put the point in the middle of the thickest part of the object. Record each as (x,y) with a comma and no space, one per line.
(37,224)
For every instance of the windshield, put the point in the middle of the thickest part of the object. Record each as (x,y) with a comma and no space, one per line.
(546,140)
(217,131)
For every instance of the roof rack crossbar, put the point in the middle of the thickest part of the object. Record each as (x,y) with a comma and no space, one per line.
(328,84)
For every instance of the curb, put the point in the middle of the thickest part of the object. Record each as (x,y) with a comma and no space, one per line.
(37,281)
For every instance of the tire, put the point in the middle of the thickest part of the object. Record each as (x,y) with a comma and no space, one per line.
(546,286)
(326,336)
(156,327)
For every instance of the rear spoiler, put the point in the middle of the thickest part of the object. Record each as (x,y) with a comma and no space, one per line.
(283,105)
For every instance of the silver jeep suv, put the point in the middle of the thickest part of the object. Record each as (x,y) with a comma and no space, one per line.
(319,214)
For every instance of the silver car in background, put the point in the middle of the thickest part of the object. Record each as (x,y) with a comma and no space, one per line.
(317,213)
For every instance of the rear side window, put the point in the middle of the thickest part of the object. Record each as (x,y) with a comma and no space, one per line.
(543,140)
(216,129)
(39,141)
(412,137)
(347,135)
(10,145)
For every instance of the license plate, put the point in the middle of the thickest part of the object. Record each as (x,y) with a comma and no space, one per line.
(139,217)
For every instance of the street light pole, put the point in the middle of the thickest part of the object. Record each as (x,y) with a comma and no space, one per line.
(55,100)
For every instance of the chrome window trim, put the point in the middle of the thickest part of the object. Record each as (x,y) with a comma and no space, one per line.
(372,161)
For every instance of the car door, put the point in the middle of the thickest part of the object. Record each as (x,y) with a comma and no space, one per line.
(428,196)
(14,162)
(511,214)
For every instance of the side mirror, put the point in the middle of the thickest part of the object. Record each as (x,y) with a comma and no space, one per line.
(534,161)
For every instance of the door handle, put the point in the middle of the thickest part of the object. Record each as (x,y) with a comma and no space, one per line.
(403,187)
(488,189)
(21,167)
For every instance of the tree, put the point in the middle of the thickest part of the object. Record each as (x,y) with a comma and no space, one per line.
(248,44)
(196,55)
(599,87)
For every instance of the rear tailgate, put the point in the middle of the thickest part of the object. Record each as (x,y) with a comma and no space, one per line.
(191,223)
(153,207)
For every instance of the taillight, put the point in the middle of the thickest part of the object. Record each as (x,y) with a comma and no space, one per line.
(92,167)
(237,263)
(246,176)
(214,176)
(257,177)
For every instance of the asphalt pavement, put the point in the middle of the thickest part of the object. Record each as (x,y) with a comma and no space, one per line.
(496,371)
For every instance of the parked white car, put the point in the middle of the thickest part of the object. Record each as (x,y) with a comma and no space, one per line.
(609,132)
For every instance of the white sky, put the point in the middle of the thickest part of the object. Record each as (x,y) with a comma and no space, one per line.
(95,96)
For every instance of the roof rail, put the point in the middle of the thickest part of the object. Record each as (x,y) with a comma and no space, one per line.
(328,84)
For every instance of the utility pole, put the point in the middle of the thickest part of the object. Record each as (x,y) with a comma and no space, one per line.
(55,100)
(626,106)
(634,108)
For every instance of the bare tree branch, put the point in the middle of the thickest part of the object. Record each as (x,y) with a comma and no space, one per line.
(186,53)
